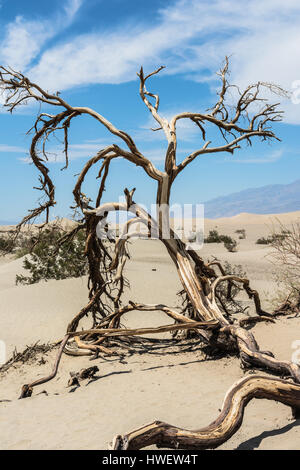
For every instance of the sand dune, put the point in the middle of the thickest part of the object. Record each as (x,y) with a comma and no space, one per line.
(158,384)
(64,223)
(247,218)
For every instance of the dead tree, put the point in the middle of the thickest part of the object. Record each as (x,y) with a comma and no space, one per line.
(250,117)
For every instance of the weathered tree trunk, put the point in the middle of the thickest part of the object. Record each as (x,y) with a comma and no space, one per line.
(202,298)
(204,309)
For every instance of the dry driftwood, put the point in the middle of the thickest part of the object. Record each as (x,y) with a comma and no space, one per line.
(77,377)
(220,430)
(27,389)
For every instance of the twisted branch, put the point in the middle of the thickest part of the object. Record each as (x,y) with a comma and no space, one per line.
(219,431)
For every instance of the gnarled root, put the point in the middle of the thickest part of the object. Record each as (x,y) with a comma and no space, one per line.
(251,355)
(227,424)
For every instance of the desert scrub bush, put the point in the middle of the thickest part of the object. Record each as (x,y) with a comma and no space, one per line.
(273,238)
(229,243)
(241,233)
(213,237)
(49,260)
(285,255)
(25,245)
(262,241)
(5,244)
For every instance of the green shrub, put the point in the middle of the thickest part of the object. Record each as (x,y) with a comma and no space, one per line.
(5,244)
(48,260)
(272,238)
(229,243)
(214,237)
(242,233)
(263,241)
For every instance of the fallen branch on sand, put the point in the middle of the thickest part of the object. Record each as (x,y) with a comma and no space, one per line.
(27,389)
(220,430)
(77,377)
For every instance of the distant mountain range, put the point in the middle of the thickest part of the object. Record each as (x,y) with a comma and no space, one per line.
(271,199)
(8,222)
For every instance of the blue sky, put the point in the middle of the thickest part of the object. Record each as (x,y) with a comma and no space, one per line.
(90,50)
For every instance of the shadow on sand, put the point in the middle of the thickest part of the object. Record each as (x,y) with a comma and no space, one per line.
(255,442)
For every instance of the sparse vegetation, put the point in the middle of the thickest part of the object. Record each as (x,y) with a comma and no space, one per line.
(241,233)
(273,238)
(29,355)
(5,244)
(213,237)
(51,260)
(285,255)
(229,243)
(263,241)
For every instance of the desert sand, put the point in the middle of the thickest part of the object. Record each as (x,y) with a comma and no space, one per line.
(174,385)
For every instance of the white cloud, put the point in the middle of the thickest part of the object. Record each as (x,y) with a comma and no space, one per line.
(71,8)
(155,153)
(90,148)
(87,149)
(191,37)
(22,42)
(11,149)
(266,158)
(24,39)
